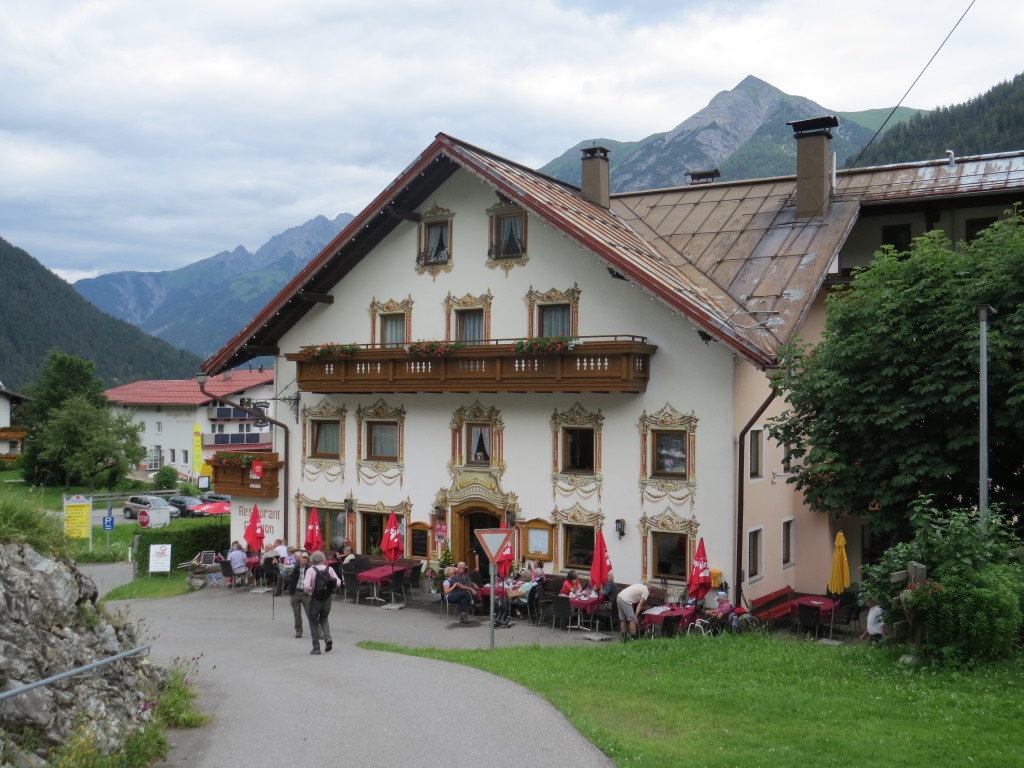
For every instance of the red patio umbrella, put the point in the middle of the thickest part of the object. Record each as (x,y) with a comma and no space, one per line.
(700,575)
(504,561)
(254,530)
(601,565)
(391,546)
(314,539)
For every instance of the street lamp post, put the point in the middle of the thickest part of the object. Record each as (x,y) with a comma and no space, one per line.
(983,312)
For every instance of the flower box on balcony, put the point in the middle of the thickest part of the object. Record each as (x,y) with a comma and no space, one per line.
(328,351)
(545,345)
(438,348)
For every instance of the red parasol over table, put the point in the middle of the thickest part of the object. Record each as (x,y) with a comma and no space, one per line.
(601,565)
(314,539)
(254,530)
(699,582)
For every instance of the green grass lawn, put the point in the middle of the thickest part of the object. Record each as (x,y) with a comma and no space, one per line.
(157,585)
(767,701)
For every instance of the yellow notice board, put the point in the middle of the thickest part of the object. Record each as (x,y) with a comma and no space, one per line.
(78,517)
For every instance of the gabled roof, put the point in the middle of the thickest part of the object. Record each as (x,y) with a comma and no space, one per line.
(731,257)
(186,391)
(12,396)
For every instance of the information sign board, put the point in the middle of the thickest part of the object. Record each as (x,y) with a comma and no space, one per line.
(78,517)
(159,558)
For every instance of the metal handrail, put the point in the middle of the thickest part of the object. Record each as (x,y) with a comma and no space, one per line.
(70,673)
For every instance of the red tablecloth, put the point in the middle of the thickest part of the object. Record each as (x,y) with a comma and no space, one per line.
(586,604)
(824,604)
(380,575)
(499,591)
(686,614)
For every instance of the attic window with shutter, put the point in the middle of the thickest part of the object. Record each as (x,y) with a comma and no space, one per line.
(507,229)
(434,249)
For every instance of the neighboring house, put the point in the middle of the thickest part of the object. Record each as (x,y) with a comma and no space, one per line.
(650,427)
(174,411)
(12,438)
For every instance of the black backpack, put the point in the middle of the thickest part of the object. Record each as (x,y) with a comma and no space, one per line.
(323,584)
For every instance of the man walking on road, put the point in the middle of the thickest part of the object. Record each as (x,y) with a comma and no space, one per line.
(296,588)
(320,604)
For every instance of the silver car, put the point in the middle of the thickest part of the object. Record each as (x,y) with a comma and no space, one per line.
(136,504)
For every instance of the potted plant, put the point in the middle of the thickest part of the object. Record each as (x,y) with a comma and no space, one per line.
(328,351)
(433,348)
(545,345)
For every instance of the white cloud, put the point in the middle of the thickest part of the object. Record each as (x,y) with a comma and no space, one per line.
(145,136)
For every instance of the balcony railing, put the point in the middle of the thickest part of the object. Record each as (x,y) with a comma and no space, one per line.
(225,412)
(235,438)
(595,364)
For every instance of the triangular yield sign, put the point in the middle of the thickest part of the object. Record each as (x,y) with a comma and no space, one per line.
(494,540)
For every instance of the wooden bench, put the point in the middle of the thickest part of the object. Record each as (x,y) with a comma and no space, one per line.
(773,606)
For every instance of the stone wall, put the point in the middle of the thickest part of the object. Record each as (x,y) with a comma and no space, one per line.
(49,624)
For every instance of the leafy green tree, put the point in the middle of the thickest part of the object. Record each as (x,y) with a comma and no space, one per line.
(64,376)
(165,479)
(90,444)
(885,407)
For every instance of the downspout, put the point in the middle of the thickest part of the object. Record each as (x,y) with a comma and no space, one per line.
(201,380)
(739,493)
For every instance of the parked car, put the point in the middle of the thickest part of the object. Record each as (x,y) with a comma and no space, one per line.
(136,504)
(211,496)
(185,504)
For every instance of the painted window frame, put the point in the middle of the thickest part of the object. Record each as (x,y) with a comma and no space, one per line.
(755,554)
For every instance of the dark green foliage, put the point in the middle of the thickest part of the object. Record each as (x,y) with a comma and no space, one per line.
(165,479)
(73,436)
(992,122)
(186,537)
(975,617)
(970,609)
(39,312)
(886,407)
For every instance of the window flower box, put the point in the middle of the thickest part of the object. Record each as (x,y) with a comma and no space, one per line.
(438,348)
(545,345)
(328,351)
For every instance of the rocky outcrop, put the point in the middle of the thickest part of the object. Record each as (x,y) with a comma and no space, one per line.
(50,624)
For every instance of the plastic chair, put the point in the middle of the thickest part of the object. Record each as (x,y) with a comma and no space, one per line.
(561,609)
(809,617)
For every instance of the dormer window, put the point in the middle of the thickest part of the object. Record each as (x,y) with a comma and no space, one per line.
(434,248)
(507,226)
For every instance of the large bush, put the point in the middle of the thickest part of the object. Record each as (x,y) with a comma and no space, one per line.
(166,479)
(971,609)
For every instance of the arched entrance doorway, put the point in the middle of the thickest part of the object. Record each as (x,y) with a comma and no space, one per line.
(466,519)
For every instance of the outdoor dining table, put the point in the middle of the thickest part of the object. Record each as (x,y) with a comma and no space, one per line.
(581,605)
(382,574)
(499,590)
(686,613)
(825,606)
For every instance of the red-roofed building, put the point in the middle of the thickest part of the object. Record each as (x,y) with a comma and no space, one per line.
(174,410)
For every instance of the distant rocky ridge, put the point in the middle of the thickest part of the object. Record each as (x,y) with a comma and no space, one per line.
(201,306)
(50,624)
(742,133)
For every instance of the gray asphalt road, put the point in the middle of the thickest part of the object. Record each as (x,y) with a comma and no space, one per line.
(275,704)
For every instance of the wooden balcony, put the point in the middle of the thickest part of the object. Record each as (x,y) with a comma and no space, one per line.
(595,364)
(236,481)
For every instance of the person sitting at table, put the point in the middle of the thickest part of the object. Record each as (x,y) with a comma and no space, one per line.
(608,589)
(630,603)
(517,597)
(720,616)
(347,555)
(457,593)
(289,560)
(238,560)
(537,574)
(572,585)
(463,577)
(280,551)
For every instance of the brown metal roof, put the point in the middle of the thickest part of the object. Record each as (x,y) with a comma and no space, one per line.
(731,257)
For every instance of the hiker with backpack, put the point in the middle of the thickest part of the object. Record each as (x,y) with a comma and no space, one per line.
(319,584)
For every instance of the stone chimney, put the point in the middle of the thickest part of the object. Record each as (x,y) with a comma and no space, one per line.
(813,177)
(594,184)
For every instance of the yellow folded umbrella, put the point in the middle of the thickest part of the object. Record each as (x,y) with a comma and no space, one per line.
(839,578)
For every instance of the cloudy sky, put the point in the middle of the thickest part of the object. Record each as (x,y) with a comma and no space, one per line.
(146,135)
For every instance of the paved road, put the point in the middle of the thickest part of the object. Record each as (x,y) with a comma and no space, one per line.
(276,705)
